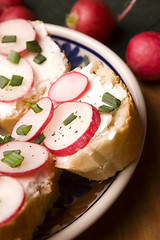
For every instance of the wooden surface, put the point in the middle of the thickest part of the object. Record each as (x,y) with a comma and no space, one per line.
(136,214)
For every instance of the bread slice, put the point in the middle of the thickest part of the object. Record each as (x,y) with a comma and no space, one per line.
(117,142)
(41,190)
(45,74)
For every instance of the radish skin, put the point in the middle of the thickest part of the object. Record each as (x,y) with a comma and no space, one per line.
(10,206)
(35,157)
(17,12)
(68,87)
(8,69)
(16,27)
(38,120)
(66,140)
(143,55)
(95,18)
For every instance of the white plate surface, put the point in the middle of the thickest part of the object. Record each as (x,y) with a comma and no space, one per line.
(86,46)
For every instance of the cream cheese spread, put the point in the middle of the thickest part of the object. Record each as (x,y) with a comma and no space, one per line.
(45,74)
(97,87)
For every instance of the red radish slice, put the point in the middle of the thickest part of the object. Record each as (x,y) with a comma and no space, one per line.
(35,156)
(12,198)
(66,140)
(22,29)
(8,69)
(38,121)
(68,87)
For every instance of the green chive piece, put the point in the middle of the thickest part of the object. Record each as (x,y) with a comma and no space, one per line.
(69,119)
(111,100)
(16,81)
(9,38)
(14,56)
(86,60)
(105,109)
(35,107)
(33,47)
(23,129)
(8,138)
(1,141)
(39,139)
(3,81)
(13,159)
(10,151)
(39,58)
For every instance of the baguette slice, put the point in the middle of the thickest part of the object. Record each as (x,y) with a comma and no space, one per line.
(41,189)
(117,142)
(44,75)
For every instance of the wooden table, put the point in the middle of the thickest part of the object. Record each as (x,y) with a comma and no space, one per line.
(136,214)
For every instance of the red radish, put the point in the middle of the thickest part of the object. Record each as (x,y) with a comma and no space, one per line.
(92,17)
(68,87)
(12,198)
(1,9)
(9,3)
(38,121)
(143,55)
(23,69)
(35,156)
(64,140)
(95,18)
(17,12)
(16,27)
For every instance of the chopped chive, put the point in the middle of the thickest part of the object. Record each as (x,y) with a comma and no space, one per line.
(3,81)
(13,159)
(39,58)
(39,139)
(1,141)
(105,109)
(14,56)
(111,100)
(10,151)
(16,81)
(8,138)
(33,47)
(9,38)
(35,107)
(23,129)
(86,60)
(69,119)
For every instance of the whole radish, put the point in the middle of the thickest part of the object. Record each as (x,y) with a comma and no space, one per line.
(95,18)
(92,17)
(10,3)
(17,12)
(143,55)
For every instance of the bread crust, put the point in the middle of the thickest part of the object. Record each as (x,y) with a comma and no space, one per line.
(105,155)
(33,212)
(21,106)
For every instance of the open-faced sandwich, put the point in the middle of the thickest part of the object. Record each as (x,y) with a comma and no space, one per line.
(84,121)
(26,51)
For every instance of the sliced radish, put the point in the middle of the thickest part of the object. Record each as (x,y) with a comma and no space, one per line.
(22,29)
(66,140)
(35,156)
(12,198)
(38,121)
(68,87)
(23,69)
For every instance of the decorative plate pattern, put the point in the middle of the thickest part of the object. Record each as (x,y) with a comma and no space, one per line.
(81,201)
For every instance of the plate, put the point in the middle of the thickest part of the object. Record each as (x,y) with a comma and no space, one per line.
(85,201)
